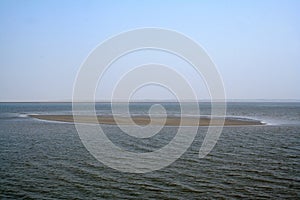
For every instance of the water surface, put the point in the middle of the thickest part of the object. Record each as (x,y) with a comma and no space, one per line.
(46,160)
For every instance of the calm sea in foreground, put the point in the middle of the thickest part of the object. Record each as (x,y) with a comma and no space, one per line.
(46,160)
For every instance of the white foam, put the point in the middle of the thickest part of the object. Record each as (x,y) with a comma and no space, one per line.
(23,115)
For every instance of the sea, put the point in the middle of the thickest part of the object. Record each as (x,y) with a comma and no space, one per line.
(42,159)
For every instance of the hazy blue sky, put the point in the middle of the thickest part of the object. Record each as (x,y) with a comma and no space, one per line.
(255,44)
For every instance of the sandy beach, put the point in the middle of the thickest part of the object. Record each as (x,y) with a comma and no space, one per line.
(144,120)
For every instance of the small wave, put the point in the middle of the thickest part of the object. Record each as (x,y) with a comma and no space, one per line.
(8,115)
(22,115)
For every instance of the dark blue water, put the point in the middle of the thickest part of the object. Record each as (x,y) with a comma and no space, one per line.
(46,160)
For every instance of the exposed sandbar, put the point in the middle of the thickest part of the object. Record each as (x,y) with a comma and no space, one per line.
(144,120)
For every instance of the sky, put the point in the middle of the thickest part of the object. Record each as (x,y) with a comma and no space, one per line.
(255,45)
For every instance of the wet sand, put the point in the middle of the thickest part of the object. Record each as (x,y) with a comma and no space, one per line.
(144,120)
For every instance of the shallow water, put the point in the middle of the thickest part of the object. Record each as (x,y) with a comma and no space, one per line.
(46,160)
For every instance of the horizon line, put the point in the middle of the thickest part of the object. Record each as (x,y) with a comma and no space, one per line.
(157,100)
